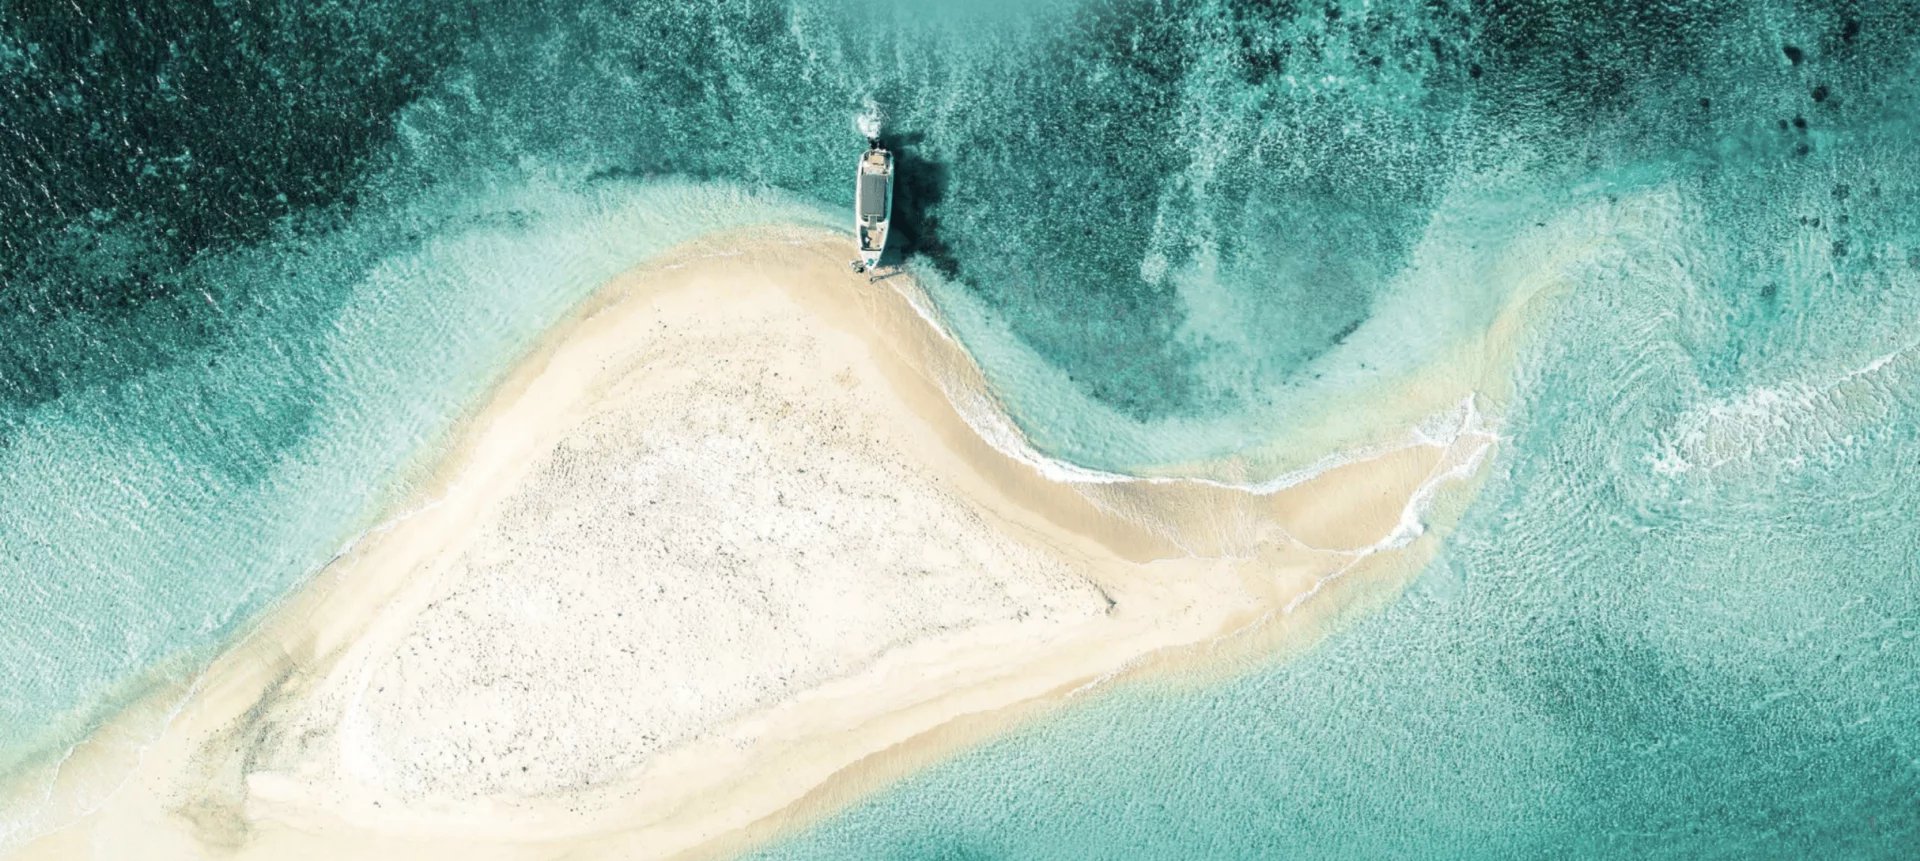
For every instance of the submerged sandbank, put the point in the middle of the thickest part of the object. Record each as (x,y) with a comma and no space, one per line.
(719,554)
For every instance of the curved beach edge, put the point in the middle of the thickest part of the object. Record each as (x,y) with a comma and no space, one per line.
(399,706)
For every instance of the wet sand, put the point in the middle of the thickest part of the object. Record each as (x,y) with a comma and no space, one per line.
(719,556)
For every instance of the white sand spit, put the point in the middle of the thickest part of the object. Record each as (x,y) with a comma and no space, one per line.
(719,556)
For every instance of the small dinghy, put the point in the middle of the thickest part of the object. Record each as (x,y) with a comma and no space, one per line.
(872,204)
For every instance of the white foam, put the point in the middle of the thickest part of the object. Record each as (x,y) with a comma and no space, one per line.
(870,119)
(1791,422)
(1412,522)
(989,418)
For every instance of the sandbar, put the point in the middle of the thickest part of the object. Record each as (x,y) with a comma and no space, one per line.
(724,552)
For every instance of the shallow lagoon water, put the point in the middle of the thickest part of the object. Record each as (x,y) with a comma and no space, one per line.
(257,260)
(1673,625)
(151,517)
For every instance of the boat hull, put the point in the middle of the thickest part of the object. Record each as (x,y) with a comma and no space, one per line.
(872,205)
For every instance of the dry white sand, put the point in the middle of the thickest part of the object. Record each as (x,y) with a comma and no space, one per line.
(720,555)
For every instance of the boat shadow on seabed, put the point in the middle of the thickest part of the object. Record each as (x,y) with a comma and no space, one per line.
(918,186)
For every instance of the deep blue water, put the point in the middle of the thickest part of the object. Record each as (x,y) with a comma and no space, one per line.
(256,257)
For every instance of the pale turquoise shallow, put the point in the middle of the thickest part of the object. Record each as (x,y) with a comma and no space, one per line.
(1608,662)
(257,260)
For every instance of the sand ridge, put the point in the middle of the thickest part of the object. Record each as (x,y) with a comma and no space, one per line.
(719,555)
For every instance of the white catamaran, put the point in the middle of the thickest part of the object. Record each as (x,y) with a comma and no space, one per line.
(872,204)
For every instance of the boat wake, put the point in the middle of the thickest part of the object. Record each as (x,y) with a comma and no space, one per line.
(869,120)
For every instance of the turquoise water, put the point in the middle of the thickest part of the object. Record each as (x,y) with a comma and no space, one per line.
(257,259)
(150,515)
(1617,656)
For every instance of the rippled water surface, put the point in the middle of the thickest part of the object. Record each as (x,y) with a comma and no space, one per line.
(256,258)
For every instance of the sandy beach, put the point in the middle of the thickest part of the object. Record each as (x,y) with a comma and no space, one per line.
(720,555)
